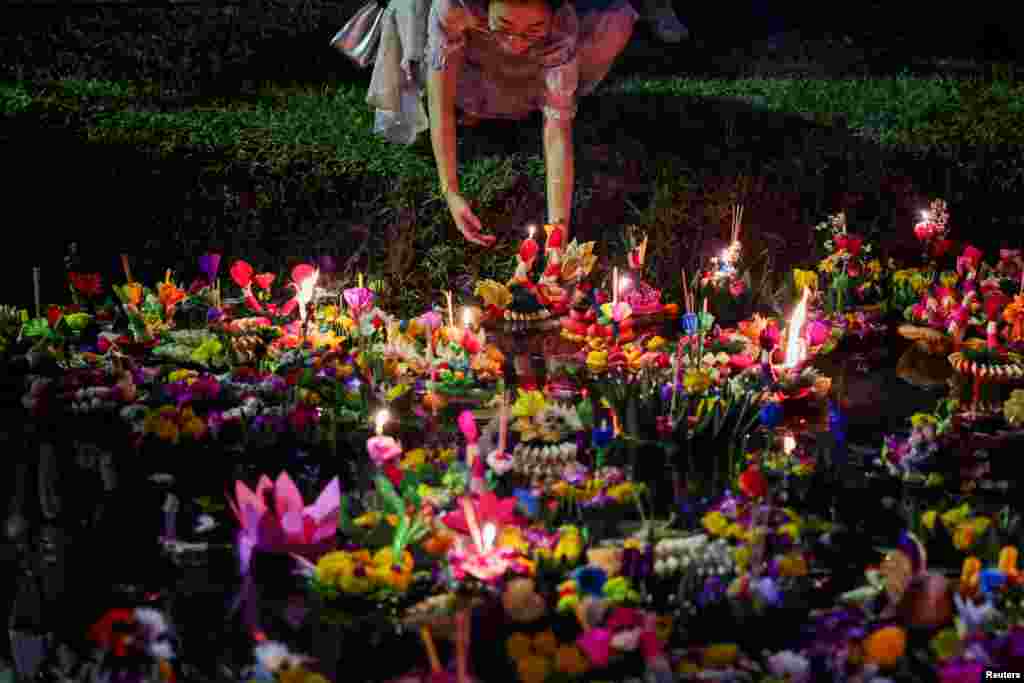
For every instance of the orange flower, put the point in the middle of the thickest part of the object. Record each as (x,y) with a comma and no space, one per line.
(169,294)
(1014,315)
(885,647)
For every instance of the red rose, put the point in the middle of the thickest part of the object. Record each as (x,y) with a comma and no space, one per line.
(752,482)
(53,315)
(392,472)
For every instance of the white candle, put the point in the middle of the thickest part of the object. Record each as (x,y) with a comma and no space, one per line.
(451,310)
(615,286)
(788,443)
(490,533)
(466,318)
(381,420)
(36,293)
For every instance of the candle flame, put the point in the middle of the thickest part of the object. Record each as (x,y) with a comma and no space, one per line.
(925,215)
(624,284)
(467,318)
(788,443)
(794,337)
(382,419)
(532,229)
(489,534)
(305,290)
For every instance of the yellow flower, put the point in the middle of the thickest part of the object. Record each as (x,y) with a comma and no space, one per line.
(299,675)
(528,404)
(980,525)
(545,643)
(569,660)
(928,519)
(560,489)
(792,530)
(949,279)
(963,536)
(696,381)
(597,361)
(623,492)
(885,647)
(519,646)
(715,522)
(874,268)
(792,565)
(414,459)
(805,279)
(570,545)
(512,537)
(493,293)
(655,343)
(446,454)
(367,519)
(923,419)
(533,669)
(918,282)
(741,555)
(179,375)
(194,428)
(954,516)
(735,530)
(720,656)
(1013,408)
(333,566)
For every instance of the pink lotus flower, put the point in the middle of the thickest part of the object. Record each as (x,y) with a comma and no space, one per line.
(383,449)
(359,300)
(489,509)
(741,361)
(304,277)
(274,519)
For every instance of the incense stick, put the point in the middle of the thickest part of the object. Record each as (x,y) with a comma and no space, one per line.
(127,268)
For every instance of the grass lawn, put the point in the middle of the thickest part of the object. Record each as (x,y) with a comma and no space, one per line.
(282,172)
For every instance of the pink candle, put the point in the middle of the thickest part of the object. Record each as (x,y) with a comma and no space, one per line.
(993,337)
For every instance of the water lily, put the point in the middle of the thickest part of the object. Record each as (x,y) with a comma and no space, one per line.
(489,509)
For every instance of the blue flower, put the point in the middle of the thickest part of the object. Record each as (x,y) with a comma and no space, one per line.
(528,502)
(767,591)
(771,414)
(990,580)
(690,323)
(590,580)
(602,436)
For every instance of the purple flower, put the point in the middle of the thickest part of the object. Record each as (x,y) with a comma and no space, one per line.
(960,670)
(359,300)
(214,314)
(210,265)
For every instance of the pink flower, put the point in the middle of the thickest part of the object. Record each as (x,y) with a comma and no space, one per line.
(849,243)
(488,508)
(274,519)
(596,645)
(624,617)
(969,260)
(925,231)
(383,449)
(264,280)
(741,361)
(737,287)
(241,273)
(818,332)
(359,300)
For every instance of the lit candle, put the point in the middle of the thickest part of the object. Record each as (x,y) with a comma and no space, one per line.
(466,318)
(490,533)
(993,337)
(624,285)
(359,280)
(381,420)
(615,286)
(794,349)
(451,309)
(788,444)
(471,522)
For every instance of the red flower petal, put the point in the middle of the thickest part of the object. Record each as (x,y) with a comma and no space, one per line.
(302,272)
(241,273)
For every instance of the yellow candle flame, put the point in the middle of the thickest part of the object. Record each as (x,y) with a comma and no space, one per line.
(490,533)
(788,443)
(794,337)
(381,420)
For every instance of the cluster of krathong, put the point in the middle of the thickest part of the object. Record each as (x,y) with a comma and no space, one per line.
(544,284)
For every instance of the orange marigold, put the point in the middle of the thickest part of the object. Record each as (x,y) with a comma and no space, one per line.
(885,647)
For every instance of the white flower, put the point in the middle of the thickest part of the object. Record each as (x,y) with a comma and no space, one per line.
(790,666)
(626,641)
(205,523)
(500,462)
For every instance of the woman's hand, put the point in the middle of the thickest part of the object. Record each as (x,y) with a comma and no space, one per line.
(466,221)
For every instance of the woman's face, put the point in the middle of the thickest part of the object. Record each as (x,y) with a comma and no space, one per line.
(519,24)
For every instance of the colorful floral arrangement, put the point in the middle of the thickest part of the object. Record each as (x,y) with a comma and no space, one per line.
(855,277)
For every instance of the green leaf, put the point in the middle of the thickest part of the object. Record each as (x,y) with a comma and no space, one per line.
(392,501)
(37,327)
(345,518)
